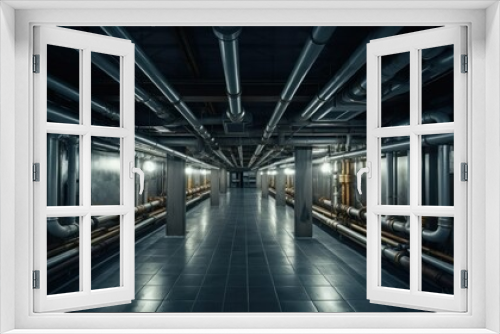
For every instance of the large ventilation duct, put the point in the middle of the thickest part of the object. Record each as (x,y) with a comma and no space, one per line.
(152,72)
(228,44)
(313,47)
(346,72)
(141,95)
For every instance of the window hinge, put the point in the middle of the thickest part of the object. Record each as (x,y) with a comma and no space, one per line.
(465,64)
(36,63)
(36,172)
(36,279)
(465,279)
(464,172)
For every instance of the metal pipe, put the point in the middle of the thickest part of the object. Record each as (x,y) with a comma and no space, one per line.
(72,93)
(154,74)
(430,140)
(395,196)
(233,158)
(346,72)
(389,163)
(240,154)
(141,95)
(228,44)
(310,52)
(63,260)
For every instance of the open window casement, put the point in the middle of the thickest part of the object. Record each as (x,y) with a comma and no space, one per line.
(433,210)
(63,149)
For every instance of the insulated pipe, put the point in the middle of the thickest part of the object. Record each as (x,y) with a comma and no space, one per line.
(346,72)
(396,257)
(154,74)
(60,115)
(141,95)
(389,163)
(73,94)
(310,52)
(221,155)
(233,158)
(52,170)
(240,154)
(63,260)
(54,226)
(228,44)
(72,145)
(395,180)
(430,140)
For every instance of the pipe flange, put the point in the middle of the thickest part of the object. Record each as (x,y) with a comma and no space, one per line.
(398,257)
(227,33)
(235,118)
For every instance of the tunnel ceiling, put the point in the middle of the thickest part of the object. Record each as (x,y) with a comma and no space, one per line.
(190,59)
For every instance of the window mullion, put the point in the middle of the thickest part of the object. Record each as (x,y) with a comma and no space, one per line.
(414,169)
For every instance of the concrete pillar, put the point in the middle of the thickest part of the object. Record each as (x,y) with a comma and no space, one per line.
(176,197)
(214,187)
(303,192)
(279,186)
(264,185)
(258,180)
(223,181)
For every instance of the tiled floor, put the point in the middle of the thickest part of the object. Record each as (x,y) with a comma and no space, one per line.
(242,256)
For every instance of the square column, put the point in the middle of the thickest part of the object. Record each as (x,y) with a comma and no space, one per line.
(176,197)
(264,185)
(214,187)
(223,181)
(258,180)
(303,192)
(279,186)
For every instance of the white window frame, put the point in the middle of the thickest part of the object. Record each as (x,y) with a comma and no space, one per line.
(483,102)
(86,43)
(414,43)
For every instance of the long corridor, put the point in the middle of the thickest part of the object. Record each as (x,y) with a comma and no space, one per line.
(242,256)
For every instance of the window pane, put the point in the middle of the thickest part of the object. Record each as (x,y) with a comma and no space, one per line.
(395,239)
(395,91)
(437,254)
(63,255)
(394,171)
(106,171)
(437,170)
(63,170)
(105,80)
(63,85)
(437,84)
(106,252)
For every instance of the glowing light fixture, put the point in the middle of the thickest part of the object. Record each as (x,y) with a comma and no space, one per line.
(189,170)
(289,171)
(149,166)
(326,168)
(204,172)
